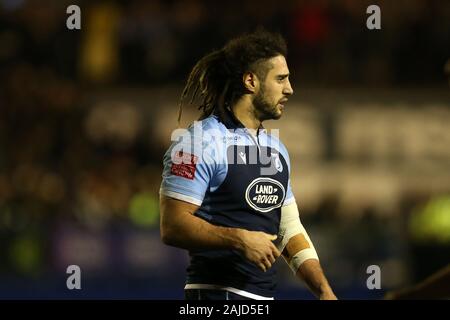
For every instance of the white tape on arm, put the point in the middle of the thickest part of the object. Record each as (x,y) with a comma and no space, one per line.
(290,226)
(301,257)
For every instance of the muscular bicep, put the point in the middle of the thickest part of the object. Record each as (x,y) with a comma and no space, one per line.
(181,228)
(173,212)
(168,205)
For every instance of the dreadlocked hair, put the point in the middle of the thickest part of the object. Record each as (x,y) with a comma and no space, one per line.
(216,79)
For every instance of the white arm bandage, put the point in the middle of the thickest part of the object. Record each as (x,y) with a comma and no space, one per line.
(292,228)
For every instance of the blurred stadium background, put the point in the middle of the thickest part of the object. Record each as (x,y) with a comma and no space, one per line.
(85,117)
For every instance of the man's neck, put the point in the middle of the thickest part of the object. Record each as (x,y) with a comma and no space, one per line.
(244,112)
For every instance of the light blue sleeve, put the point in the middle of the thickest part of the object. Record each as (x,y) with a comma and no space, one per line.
(189,167)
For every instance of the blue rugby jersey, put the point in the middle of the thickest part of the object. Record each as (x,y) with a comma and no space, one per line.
(237,180)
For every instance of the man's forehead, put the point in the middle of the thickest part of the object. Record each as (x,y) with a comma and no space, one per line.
(279,65)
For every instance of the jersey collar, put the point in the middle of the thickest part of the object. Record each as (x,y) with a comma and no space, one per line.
(231,122)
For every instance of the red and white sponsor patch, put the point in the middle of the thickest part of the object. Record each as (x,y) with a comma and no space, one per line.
(184,165)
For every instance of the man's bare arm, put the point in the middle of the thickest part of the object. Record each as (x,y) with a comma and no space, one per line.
(311,273)
(181,228)
(300,254)
(310,270)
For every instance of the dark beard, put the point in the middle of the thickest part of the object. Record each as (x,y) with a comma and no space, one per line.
(264,110)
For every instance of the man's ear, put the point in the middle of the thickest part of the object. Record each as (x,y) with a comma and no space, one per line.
(251,82)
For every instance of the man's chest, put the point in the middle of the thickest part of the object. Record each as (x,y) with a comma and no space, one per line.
(257,177)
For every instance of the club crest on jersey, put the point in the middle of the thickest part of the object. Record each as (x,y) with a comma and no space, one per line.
(265,194)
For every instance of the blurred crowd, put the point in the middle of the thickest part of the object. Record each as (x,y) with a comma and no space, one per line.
(153,42)
(67,155)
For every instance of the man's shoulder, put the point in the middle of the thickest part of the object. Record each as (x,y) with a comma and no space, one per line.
(207,133)
(206,125)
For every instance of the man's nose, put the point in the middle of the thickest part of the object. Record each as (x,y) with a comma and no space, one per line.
(288,89)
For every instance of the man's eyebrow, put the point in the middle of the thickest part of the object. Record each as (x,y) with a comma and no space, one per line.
(284,75)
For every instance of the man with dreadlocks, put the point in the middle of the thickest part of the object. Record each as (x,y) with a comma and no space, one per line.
(225,194)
